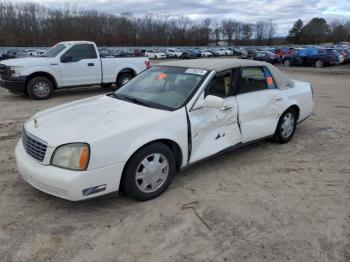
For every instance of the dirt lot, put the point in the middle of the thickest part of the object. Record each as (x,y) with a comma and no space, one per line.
(266,202)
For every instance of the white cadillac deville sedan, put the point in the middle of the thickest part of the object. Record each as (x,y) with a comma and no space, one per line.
(166,118)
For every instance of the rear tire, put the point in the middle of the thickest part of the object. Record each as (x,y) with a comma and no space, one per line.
(286,126)
(40,88)
(123,78)
(319,63)
(149,172)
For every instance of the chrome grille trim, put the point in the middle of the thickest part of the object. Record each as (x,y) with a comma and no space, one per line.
(34,147)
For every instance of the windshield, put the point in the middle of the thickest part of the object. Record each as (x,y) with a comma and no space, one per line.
(162,87)
(55,50)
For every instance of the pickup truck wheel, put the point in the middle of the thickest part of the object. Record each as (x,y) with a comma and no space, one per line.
(287,62)
(123,79)
(286,127)
(149,172)
(40,88)
(319,63)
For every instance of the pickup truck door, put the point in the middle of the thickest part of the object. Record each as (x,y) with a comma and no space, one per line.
(214,129)
(80,65)
(259,103)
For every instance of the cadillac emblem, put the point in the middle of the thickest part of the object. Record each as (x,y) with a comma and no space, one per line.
(36,123)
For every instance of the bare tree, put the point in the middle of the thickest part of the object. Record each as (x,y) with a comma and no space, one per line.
(271,29)
(228,29)
(247,31)
(217,30)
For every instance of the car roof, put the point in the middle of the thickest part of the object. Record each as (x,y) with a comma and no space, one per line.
(218,65)
(213,64)
(76,42)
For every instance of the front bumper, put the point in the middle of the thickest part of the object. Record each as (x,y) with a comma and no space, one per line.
(64,183)
(14,84)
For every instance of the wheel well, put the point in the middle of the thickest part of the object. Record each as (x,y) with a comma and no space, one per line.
(174,147)
(296,109)
(127,70)
(43,74)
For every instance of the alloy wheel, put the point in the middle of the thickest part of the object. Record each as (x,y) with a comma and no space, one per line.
(41,89)
(152,173)
(287,125)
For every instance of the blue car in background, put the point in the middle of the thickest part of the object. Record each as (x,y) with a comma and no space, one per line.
(313,56)
(188,54)
(196,51)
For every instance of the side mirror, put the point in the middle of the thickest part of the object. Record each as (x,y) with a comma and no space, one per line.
(66,59)
(213,102)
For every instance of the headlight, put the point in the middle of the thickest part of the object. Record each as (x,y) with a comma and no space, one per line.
(15,71)
(72,156)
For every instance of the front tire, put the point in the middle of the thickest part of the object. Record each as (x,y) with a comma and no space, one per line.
(286,127)
(40,88)
(149,172)
(287,62)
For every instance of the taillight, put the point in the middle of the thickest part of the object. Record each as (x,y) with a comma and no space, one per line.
(148,64)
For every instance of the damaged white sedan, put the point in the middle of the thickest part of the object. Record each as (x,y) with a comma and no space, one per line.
(166,118)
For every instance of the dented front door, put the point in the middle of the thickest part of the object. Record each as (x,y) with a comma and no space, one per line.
(213,130)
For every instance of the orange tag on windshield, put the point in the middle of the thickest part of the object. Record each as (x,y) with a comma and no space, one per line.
(269,80)
(161,76)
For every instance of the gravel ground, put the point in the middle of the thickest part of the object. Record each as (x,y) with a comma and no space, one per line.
(265,202)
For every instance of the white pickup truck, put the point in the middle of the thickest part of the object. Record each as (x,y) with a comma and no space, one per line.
(67,64)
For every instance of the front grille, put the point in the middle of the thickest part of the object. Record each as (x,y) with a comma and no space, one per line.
(33,146)
(4,71)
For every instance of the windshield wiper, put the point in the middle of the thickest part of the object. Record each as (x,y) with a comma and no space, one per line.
(131,99)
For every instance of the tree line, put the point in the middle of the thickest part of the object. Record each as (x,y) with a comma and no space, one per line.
(317,31)
(32,24)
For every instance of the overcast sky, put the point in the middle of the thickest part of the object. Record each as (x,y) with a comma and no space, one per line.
(283,12)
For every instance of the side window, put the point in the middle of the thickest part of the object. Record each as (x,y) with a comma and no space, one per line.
(269,79)
(80,52)
(313,52)
(251,79)
(220,85)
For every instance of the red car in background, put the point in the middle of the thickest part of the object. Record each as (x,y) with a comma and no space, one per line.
(284,51)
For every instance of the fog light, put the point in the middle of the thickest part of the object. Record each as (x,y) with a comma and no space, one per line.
(94,190)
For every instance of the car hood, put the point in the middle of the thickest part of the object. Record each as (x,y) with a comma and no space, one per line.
(23,61)
(90,119)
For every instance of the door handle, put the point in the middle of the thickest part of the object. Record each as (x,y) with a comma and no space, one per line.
(227,107)
(91,64)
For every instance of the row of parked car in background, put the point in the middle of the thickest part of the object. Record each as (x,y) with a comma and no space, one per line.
(17,53)
(318,56)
